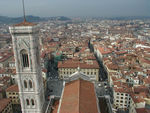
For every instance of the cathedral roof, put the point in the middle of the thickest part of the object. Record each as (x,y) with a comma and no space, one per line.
(79,97)
(79,75)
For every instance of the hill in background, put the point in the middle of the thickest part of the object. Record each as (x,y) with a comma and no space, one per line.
(10,20)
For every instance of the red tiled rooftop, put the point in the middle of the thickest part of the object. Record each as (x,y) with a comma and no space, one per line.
(5,78)
(75,64)
(79,97)
(104,50)
(142,110)
(12,88)
(4,103)
(112,66)
(2,71)
(141,88)
(146,80)
(5,56)
(121,52)
(138,98)
(25,23)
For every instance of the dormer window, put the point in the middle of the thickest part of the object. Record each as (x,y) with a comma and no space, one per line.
(25,58)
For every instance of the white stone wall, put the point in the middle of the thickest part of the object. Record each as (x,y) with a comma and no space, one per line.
(121,100)
(26,38)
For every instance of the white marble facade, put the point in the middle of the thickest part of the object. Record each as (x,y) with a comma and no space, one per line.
(27,58)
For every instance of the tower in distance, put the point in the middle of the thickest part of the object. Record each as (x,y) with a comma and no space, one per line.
(28,69)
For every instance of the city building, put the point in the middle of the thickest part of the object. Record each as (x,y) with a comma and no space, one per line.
(78,96)
(81,95)
(137,101)
(68,67)
(5,82)
(5,57)
(121,96)
(12,92)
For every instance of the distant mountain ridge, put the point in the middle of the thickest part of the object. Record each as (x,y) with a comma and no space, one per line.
(30,18)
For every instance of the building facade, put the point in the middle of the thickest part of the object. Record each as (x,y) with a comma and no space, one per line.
(12,93)
(28,69)
(121,99)
(67,68)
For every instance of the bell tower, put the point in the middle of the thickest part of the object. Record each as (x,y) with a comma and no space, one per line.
(27,58)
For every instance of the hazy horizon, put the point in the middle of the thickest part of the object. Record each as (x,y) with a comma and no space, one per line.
(76,8)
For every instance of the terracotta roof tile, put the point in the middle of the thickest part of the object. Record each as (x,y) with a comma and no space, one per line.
(25,23)
(4,103)
(75,64)
(104,50)
(142,110)
(13,88)
(138,98)
(79,97)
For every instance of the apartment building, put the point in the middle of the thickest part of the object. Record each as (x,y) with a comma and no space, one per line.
(121,98)
(137,101)
(121,95)
(12,92)
(66,68)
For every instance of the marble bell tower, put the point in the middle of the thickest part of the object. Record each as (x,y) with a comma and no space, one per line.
(28,69)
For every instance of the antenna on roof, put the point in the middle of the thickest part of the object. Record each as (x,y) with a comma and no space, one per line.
(24,11)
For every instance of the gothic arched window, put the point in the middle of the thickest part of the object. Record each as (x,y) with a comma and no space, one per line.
(32,102)
(27,102)
(25,83)
(25,58)
(30,84)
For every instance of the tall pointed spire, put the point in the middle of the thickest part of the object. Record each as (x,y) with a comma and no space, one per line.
(24,11)
(24,23)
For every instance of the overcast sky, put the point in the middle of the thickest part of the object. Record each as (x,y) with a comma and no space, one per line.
(96,8)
